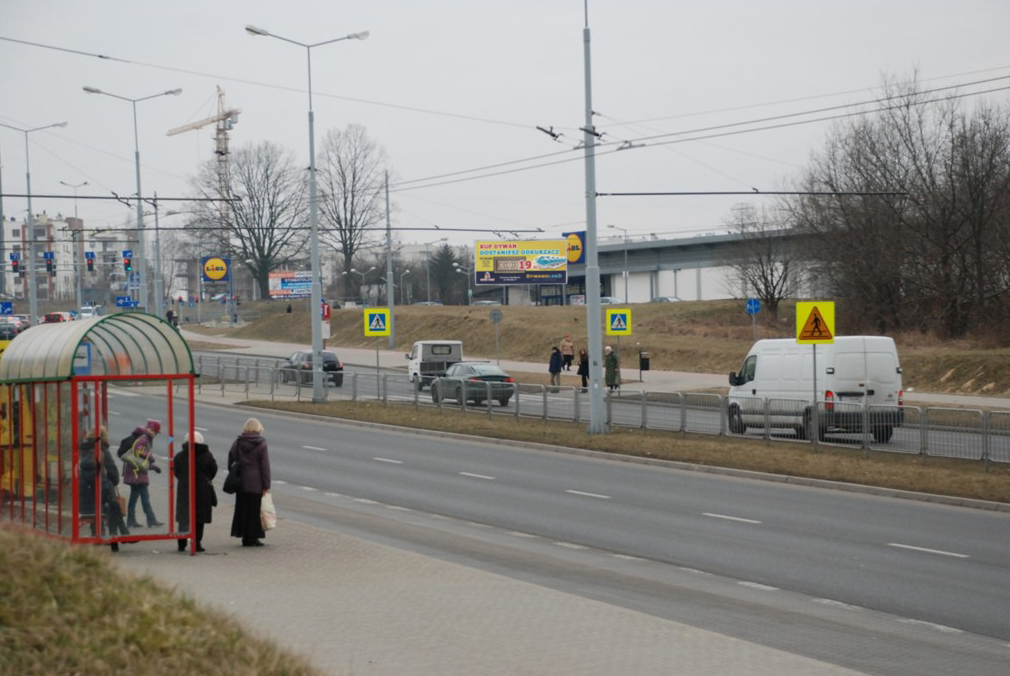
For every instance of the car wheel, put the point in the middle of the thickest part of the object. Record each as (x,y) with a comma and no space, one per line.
(808,426)
(338,380)
(434,394)
(736,423)
(882,433)
(504,401)
(478,401)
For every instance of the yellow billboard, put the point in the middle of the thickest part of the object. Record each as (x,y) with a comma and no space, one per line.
(532,261)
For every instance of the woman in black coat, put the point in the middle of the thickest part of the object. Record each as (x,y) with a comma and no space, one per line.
(250,449)
(91,467)
(206,499)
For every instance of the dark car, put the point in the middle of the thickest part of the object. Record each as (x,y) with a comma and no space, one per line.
(472,378)
(298,368)
(8,331)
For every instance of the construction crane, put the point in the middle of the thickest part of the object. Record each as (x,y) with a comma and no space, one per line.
(225,119)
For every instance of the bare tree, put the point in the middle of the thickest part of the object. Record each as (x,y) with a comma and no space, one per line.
(934,256)
(351,198)
(765,261)
(264,227)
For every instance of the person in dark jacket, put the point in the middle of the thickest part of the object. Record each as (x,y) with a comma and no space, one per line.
(555,367)
(250,449)
(205,468)
(584,368)
(109,474)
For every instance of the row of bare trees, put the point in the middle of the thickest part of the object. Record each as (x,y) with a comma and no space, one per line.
(259,213)
(914,232)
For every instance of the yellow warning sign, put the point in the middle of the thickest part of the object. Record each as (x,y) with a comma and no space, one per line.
(815,322)
(618,322)
(377,321)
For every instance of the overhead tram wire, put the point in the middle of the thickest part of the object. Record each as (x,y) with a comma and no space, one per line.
(652,141)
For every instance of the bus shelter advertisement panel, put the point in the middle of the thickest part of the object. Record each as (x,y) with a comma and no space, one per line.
(542,261)
(290,284)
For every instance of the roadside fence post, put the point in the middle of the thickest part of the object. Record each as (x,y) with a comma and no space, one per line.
(645,410)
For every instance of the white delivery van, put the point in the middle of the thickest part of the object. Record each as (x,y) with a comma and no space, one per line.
(775,385)
(429,359)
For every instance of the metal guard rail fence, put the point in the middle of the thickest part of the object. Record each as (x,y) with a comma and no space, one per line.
(970,434)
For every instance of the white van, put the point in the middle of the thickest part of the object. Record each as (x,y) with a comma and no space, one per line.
(429,359)
(852,373)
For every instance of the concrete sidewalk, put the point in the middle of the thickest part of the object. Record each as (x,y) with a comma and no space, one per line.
(358,608)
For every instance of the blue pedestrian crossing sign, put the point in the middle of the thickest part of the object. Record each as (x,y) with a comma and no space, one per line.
(376,321)
(618,322)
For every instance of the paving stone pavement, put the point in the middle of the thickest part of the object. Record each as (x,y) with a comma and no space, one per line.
(358,608)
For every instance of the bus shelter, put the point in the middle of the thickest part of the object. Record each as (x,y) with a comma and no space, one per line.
(62,385)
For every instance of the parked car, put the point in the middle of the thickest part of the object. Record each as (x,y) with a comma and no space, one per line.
(7,331)
(13,320)
(665,299)
(470,379)
(55,317)
(25,321)
(611,300)
(91,311)
(486,302)
(298,368)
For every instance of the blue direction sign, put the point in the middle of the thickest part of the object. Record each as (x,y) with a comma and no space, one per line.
(123,301)
(15,256)
(753,306)
(48,255)
(6,308)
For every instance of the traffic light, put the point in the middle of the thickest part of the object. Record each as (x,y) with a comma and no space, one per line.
(91,264)
(128,264)
(49,267)
(16,266)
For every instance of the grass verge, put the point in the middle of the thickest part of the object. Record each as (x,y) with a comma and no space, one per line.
(65,610)
(940,476)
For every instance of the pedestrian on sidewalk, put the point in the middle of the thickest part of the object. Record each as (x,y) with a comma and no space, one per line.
(584,368)
(104,467)
(555,368)
(204,468)
(612,368)
(567,351)
(250,449)
(138,462)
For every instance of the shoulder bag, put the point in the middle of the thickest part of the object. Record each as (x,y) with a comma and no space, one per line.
(233,482)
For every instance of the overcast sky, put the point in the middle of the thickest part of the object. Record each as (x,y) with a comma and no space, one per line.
(449,86)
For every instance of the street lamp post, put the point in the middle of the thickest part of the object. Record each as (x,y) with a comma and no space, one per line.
(403,290)
(78,244)
(317,291)
(140,207)
(33,298)
(363,274)
(625,231)
(465,271)
(427,262)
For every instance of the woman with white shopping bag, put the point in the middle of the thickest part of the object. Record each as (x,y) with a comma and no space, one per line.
(250,451)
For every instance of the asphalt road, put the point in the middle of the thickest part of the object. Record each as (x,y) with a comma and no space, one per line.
(902,586)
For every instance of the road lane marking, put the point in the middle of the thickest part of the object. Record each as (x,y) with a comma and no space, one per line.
(477,476)
(122,393)
(626,557)
(757,585)
(114,412)
(313,448)
(307,488)
(928,551)
(278,481)
(334,495)
(201,429)
(837,604)
(570,545)
(729,518)
(519,534)
(392,462)
(939,627)
(589,495)
(366,501)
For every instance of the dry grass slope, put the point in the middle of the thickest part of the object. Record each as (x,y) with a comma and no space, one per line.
(65,610)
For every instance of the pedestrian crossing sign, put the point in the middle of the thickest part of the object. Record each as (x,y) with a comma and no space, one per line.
(815,322)
(376,321)
(618,322)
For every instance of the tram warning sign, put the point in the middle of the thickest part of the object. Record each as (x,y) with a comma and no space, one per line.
(815,322)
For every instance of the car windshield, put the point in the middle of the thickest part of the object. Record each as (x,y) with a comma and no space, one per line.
(488,370)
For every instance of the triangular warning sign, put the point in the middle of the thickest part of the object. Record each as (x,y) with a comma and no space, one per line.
(378,323)
(617,323)
(815,328)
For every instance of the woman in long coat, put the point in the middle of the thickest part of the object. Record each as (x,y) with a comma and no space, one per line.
(611,368)
(250,449)
(205,468)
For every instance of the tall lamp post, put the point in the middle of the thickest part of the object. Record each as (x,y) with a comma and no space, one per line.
(33,297)
(465,271)
(362,274)
(317,291)
(403,300)
(625,231)
(427,262)
(140,207)
(78,243)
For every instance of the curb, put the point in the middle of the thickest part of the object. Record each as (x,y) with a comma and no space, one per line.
(948,500)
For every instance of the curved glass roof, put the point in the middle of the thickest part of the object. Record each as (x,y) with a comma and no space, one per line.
(125,343)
